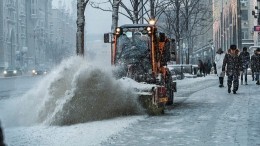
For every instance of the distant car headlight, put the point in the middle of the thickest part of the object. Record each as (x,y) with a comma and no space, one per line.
(14,71)
(45,72)
(33,71)
(5,72)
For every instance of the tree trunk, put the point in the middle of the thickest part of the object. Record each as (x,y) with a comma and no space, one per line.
(115,15)
(152,9)
(136,13)
(81,5)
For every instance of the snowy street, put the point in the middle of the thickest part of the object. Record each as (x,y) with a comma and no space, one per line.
(129,72)
(203,114)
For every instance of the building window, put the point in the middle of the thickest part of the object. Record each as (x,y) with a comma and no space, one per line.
(244,15)
(244,3)
(245,33)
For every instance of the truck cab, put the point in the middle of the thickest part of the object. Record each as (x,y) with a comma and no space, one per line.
(141,53)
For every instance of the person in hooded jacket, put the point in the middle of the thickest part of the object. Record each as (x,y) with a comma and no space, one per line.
(219,62)
(232,66)
(245,56)
(257,66)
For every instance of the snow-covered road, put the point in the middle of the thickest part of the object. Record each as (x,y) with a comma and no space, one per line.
(203,114)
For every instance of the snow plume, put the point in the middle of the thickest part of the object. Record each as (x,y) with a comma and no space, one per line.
(75,92)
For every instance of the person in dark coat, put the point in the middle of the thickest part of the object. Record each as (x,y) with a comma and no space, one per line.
(205,64)
(232,66)
(257,66)
(201,68)
(253,65)
(245,56)
(1,137)
(209,66)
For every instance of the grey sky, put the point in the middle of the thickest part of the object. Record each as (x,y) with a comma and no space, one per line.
(97,21)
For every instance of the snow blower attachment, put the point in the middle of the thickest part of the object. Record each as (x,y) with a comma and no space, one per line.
(141,54)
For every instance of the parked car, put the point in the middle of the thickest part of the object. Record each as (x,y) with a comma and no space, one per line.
(179,71)
(9,72)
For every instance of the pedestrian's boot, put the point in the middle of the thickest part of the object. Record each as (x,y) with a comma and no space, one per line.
(258,83)
(221,82)
(234,92)
(221,85)
(229,89)
(246,83)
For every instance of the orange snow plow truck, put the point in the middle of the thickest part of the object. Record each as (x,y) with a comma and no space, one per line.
(141,54)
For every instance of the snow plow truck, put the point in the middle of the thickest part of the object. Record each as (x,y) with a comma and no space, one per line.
(141,53)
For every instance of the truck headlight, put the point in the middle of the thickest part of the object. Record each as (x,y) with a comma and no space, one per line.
(14,71)
(5,72)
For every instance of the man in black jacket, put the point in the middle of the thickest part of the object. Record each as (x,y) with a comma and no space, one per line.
(245,56)
(232,66)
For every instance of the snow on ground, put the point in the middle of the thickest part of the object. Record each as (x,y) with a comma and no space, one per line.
(91,133)
(206,115)
(86,134)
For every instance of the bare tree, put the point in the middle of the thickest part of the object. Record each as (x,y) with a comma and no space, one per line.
(81,5)
(171,25)
(132,14)
(187,19)
(197,21)
(115,6)
(136,10)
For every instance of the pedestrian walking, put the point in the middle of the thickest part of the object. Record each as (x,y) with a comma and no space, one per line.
(219,63)
(201,68)
(232,66)
(253,65)
(257,66)
(209,66)
(205,64)
(245,57)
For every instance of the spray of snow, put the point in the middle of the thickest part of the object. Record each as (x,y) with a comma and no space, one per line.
(75,92)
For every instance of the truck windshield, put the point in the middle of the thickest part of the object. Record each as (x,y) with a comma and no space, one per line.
(133,48)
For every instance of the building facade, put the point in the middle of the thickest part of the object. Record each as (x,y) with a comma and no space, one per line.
(247,23)
(33,34)
(227,27)
(8,32)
